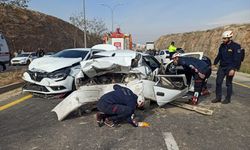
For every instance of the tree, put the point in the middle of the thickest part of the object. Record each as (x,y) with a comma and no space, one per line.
(19,3)
(95,26)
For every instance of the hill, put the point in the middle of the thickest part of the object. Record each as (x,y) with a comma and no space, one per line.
(30,30)
(209,41)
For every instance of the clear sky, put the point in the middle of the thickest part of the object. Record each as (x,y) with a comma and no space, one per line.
(147,20)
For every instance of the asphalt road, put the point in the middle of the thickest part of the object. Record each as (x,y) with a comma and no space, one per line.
(31,125)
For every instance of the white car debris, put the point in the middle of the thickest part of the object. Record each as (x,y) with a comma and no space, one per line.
(139,72)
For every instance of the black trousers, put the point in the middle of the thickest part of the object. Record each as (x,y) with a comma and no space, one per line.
(200,83)
(221,74)
(117,113)
(3,65)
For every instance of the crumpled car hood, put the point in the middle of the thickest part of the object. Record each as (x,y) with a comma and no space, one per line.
(50,64)
(96,67)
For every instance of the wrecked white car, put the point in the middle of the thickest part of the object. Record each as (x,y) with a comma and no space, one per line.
(55,74)
(137,71)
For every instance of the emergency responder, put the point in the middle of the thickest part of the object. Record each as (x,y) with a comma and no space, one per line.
(117,106)
(171,49)
(199,69)
(229,56)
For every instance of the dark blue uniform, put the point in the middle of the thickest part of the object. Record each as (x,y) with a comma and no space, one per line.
(189,64)
(119,104)
(229,56)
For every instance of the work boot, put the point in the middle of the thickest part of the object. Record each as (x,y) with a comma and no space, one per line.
(100,119)
(216,100)
(226,101)
(109,123)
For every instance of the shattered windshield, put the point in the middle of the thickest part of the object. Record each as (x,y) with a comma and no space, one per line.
(71,54)
(151,62)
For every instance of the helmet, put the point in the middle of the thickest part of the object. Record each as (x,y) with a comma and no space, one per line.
(176,55)
(140,101)
(227,34)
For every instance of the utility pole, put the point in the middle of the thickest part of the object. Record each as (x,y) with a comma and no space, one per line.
(85,26)
(112,9)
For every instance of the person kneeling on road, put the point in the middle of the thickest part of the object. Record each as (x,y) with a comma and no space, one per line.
(117,106)
(199,69)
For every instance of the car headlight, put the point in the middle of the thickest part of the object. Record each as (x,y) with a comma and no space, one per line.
(59,74)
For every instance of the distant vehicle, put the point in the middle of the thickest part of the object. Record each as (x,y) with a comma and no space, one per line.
(4,51)
(163,56)
(56,74)
(150,45)
(24,58)
(118,39)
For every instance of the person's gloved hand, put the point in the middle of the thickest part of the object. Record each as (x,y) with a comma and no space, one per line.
(143,124)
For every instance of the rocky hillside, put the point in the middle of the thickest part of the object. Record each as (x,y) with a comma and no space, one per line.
(208,41)
(30,30)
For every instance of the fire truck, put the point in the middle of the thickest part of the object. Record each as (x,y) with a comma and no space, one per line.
(118,39)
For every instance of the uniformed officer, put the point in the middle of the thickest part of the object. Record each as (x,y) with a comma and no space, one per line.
(200,70)
(117,106)
(171,49)
(229,56)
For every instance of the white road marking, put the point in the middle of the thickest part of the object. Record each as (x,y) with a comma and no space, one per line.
(170,141)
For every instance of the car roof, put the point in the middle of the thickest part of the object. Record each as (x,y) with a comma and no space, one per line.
(120,53)
(106,47)
(79,49)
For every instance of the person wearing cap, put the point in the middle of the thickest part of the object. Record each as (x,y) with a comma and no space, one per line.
(117,106)
(171,49)
(198,69)
(229,57)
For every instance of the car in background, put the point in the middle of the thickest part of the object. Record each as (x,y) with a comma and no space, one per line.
(163,56)
(56,74)
(24,58)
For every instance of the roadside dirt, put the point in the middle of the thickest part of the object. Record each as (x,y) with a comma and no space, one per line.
(10,77)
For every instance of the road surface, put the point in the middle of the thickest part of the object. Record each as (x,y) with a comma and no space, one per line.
(29,124)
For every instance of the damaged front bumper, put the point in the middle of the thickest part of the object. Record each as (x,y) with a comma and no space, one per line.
(46,85)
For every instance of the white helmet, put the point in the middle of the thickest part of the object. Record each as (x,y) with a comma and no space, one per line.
(140,101)
(227,34)
(176,55)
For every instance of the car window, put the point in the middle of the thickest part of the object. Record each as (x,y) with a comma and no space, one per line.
(94,52)
(162,53)
(151,62)
(97,56)
(71,54)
